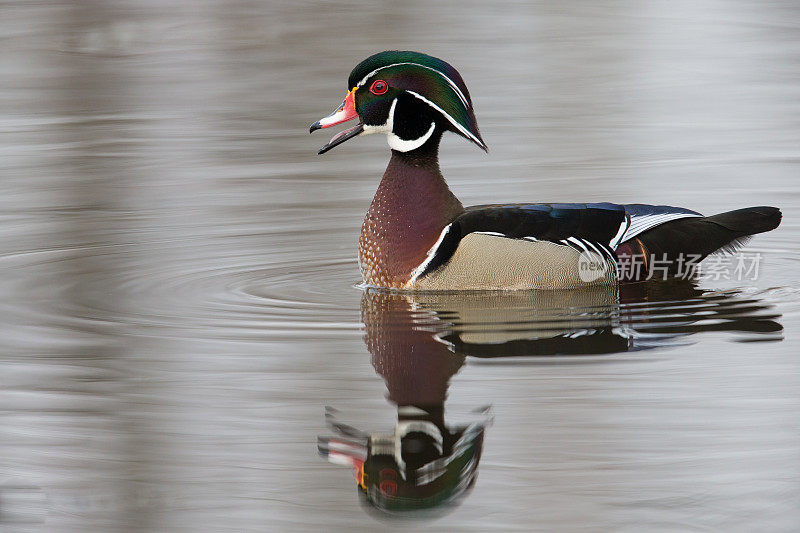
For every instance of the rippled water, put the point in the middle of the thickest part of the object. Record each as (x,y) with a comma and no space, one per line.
(181,334)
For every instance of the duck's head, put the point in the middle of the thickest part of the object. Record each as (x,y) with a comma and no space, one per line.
(411,97)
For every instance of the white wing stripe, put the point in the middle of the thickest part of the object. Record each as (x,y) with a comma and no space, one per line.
(642,223)
(609,251)
(623,227)
(596,249)
(579,243)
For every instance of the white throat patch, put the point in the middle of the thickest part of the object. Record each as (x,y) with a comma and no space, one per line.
(402,145)
(395,142)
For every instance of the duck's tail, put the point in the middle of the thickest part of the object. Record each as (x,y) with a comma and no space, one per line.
(698,237)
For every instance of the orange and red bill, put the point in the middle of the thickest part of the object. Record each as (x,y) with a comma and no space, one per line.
(343,113)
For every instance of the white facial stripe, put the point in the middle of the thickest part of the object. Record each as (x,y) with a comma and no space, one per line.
(383,128)
(448,80)
(402,145)
(453,121)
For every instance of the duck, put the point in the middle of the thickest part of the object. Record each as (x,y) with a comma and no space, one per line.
(417,235)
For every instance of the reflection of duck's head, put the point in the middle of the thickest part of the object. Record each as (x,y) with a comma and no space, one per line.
(422,466)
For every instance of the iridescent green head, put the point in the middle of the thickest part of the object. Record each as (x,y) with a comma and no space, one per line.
(411,97)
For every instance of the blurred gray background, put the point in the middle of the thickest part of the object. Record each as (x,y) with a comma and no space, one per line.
(177,264)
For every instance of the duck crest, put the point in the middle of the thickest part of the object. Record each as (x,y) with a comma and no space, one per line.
(412,206)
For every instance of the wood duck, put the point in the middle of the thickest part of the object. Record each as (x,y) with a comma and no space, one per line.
(418,236)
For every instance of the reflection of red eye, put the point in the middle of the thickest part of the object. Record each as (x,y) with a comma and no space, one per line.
(388,487)
(387,473)
(379,87)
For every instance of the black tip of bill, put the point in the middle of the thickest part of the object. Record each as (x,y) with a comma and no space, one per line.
(314,127)
(340,137)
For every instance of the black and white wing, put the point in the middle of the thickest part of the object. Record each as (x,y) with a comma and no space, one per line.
(585,227)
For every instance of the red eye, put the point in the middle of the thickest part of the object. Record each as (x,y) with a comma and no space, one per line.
(379,87)
(389,488)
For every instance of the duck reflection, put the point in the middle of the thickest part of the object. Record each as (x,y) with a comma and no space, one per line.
(425,463)
(419,341)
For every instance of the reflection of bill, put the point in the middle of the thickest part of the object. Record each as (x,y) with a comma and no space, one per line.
(592,266)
